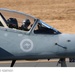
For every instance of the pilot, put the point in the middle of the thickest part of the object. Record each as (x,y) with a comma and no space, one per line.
(12,23)
(25,25)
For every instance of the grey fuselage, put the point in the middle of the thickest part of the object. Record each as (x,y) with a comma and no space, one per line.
(16,44)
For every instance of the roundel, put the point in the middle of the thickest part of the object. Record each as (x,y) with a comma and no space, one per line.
(26,45)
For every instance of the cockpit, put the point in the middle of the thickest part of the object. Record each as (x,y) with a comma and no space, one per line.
(20,21)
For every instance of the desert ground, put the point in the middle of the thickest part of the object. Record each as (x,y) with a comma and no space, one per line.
(57,13)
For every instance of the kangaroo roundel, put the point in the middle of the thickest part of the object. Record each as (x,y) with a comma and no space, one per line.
(26,45)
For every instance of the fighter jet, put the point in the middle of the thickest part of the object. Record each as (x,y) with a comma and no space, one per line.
(24,37)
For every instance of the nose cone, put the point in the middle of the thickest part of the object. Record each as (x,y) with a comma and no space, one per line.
(68,41)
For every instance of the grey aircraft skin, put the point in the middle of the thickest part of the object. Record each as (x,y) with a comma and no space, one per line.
(46,43)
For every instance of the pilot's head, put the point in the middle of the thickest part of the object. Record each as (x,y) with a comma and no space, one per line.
(26,23)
